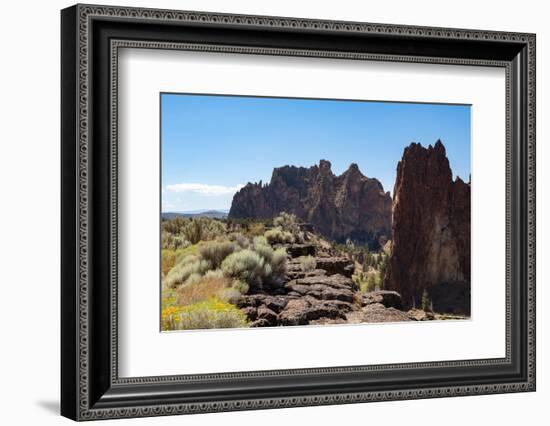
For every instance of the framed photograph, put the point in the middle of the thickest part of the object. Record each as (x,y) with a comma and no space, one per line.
(263,212)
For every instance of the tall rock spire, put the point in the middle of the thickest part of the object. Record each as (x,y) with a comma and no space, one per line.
(430,232)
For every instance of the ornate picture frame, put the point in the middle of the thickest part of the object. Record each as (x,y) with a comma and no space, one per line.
(91,37)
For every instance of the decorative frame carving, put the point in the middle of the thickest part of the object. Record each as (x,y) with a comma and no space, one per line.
(111,396)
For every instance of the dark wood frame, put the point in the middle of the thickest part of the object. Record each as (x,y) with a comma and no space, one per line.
(90,386)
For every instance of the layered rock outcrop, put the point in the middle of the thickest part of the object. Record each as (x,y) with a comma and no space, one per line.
(339,207)
(430,232)
(323,295)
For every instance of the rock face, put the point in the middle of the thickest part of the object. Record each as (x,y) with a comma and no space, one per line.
(338,207)
(430,232)
(319,297)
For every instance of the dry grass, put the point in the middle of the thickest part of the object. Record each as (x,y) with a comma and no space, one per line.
(203,289)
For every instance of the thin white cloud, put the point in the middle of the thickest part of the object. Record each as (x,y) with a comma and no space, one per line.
(203,189)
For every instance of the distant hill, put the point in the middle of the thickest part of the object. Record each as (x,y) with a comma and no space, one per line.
(214,214)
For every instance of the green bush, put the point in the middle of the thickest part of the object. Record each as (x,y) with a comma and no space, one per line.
(246,265)
(240,286)
(278,262)
(214,274)
(260,241)
(276,258)
(278,236)
(188,266)
(173,242)
(239,239)
(307,263)
(367,281)
(194,229)
(216,251)
(261,246)
(288,222)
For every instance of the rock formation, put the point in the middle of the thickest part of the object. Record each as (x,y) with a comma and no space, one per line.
(430,232)
(339,207)
(324,295)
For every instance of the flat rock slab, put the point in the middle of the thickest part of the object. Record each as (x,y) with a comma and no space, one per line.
(305,310)
(376,313)
(334,281)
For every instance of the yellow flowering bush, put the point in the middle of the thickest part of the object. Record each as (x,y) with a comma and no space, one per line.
(211,313)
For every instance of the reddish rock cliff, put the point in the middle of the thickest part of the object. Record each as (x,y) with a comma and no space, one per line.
(430,232)
(339,207)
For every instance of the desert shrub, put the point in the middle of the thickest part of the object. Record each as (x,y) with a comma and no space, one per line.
(288,222)
(194,278)
(169,298)
(194,230)
(278,236)
(260,240)
(261,246)
(256,229)
(246,265)
(211,313)
(372,282)
(367,281)
(230,295)
(184,269)
(182,253)
(201,288)
(239,239)
(168,260)
(278,262)
(233,294)
(426,303)
(307,263)
(240,286)
(172,241)
(214,274)
(179,242)
(216,251)
(276,258)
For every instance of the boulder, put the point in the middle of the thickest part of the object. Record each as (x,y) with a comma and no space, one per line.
(267,314)
(262,322)
(297,250)
(336,265)
(295,312)
(420,315)
(250,312)
(276,304)
(390,299)
(294,271)
(323,310)
(253,300)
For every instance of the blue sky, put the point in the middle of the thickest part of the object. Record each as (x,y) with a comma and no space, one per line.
(212,145)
